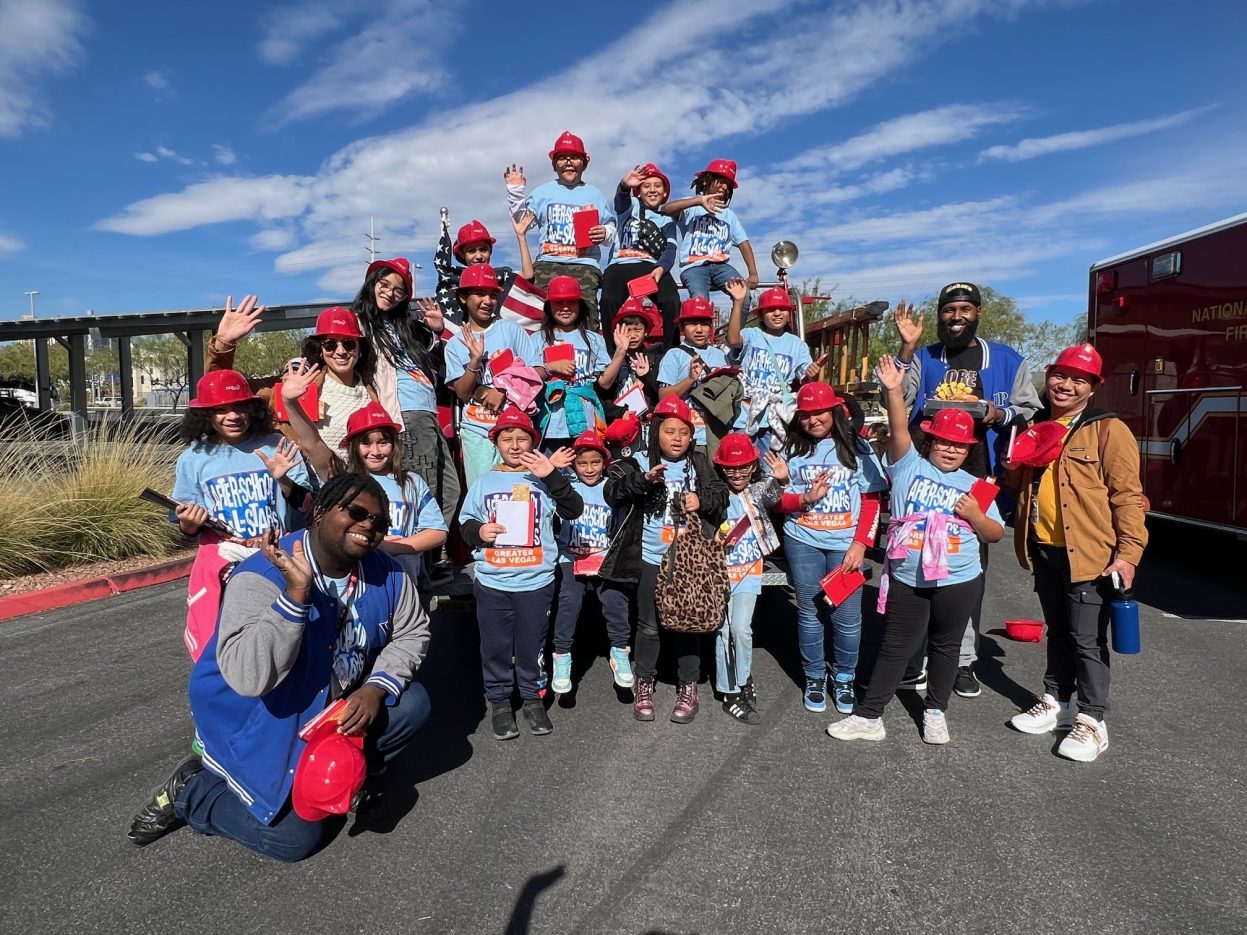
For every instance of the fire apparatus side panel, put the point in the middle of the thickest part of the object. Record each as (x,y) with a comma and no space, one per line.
(1171,323)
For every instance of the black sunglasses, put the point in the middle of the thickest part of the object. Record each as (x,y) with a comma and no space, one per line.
(331,344)
(358,514)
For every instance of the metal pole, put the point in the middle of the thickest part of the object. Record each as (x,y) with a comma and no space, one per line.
(43,374)
(125,371)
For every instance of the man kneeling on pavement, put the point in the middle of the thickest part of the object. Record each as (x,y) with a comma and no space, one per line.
(316,616)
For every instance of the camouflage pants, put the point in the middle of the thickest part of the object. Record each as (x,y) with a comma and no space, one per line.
(589,277)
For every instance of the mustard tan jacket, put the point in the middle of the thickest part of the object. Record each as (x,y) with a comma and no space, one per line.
(1102,504)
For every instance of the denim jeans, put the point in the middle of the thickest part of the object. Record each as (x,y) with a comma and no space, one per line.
(701,280)
(613,598)
(208,805)
(809,566)
(740,623)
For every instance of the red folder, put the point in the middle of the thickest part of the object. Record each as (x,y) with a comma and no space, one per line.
(554,353)
(839,584)
(331,713)
(501,361)
(984,491)
(642,286)
(737,532)
(309,402)
(582,222)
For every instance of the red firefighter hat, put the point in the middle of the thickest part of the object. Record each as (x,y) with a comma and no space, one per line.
(695,308)
(472,232)
(952,425)
(1083,358)
(400,265)
(815,397)
(329,773)
(776,297)
(672,407)
(1039,445)
(569,143)
(513,418)
(339,322)
(638,308)
(623,431)
(220,388)
(562,288)
(651,171)
(480,276)
(365,419)
(735,450)
(723,167)
(589,440)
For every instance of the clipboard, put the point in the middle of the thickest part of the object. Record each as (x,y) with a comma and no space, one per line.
(517,517)
(634,400)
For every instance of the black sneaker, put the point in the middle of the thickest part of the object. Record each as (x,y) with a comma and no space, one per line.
(914,683)
(535,716)
(738,707)
(157,818)
(967,686)
(750,691)
(504,721)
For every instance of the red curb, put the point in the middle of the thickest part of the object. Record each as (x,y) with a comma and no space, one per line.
(91,589)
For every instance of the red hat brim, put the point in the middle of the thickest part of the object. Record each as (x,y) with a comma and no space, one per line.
(928,426)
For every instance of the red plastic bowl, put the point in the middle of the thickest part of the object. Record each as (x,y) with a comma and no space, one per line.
(1025,631)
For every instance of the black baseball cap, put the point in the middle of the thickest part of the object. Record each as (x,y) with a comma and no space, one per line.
(959,292)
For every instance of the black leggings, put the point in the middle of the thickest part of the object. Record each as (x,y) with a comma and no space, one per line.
(649,638)
(937,614)
(615,292)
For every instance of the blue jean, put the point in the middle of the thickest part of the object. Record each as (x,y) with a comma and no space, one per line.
(701,280)
(209,806)
(514,626)
(740,623)
(613,597)
(809,566)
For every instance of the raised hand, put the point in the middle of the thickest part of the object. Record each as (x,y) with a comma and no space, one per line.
(888,374)
(293,565)
(712,203)
(239,322)
(523,223)
(297,381)
(285,456)
(563,457)
(514,175)
(908,324)
(633,178)
(621,341)
(657,473)
(639,362)
(737,289)
(777,466)
(475,344)
(537,464)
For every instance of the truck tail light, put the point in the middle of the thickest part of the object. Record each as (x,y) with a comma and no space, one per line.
(1106,282)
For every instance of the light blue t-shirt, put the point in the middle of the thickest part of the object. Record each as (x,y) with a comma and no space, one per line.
(513,568)
(627,250)
(591,360)
(831,522)
(499,336)
(744,559)
(761,353)
(706,237)
(674,367)
(590,533)
(658,532)
(416,392)
(918,486)
(552,205)
(412,508)
(231,483)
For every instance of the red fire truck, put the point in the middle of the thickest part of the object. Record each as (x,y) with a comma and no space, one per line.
(1170,320)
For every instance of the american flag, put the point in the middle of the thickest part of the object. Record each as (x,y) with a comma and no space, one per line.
(523,304)
(447,278)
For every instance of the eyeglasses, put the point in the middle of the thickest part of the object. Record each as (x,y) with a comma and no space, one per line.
(358,514)
(331,344)
(394,292)
(568,159)
(738,468)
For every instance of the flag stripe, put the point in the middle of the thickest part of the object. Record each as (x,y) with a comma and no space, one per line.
(523,304)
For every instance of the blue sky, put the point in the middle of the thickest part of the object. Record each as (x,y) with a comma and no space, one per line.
(160,156)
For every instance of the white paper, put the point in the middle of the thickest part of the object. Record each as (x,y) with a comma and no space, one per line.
(514,515)
(634,400)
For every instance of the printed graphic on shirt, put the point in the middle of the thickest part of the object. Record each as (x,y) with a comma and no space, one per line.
(707,240)
(835,510)
(349,652)
(516,556)
(926,496)
(744,559)
(243,501)
(420,377)
(757,370)
(675,488)
(560,234)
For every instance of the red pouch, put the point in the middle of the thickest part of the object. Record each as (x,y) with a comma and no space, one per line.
(501,361)
(839,584)
(642,286)
(984,491)
(582,222)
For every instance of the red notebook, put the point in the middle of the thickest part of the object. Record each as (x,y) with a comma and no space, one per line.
(309,402)
(839,584)
(501,361)
(582,222)
(737,532)
(331,713)
(984,491)
(642,286)
(554,353)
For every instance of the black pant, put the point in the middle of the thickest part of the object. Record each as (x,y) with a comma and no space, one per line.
(937,614)
(513,626)
(649,639)
(615,292)
(914,668)
(613,598)
(1077,614)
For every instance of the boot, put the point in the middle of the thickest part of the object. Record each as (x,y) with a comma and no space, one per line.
(643,699)
(686,703)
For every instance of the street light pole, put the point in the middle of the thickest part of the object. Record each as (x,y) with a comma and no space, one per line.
(30,294)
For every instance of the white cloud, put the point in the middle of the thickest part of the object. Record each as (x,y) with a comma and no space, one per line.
(10,244)
(223,154)
(159,80)
(38,38)
(290,29)
(1082,139)
(164,152)
(213,201)
(273,239)
(146,157)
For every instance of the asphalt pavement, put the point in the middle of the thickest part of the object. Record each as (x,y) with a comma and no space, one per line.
(608,825)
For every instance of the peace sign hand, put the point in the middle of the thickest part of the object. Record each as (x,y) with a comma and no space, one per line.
(293,566)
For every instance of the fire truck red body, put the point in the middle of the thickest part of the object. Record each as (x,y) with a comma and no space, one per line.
(1170,320)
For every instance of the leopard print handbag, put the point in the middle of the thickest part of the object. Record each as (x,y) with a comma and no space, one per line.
(693,587)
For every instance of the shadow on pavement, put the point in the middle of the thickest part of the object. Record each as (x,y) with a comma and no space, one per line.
(522,914)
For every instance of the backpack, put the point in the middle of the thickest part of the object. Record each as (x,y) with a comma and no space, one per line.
(693,587)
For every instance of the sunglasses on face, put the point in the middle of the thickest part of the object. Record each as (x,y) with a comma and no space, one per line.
(331,345)
(358,514)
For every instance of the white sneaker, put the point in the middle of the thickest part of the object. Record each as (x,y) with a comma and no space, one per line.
(1045,715)
(855,727)
(934,726)
(1086,741)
